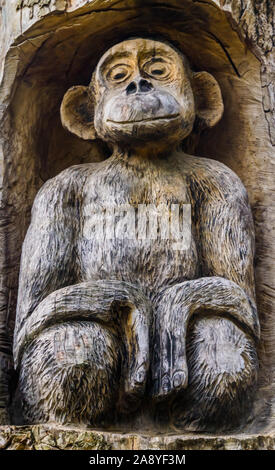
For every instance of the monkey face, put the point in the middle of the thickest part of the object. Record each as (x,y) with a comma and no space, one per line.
(143,92)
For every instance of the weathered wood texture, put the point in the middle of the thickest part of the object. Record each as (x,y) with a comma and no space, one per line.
(229,39)
(45,437)
(141,291)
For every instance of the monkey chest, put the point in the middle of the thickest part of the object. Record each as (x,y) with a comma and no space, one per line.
(138,237)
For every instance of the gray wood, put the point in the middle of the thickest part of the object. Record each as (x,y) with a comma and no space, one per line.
(138,298)
(45,49)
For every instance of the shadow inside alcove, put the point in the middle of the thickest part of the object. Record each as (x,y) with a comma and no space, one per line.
(69,56)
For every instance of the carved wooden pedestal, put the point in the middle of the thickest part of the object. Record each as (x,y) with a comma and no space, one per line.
(42,437)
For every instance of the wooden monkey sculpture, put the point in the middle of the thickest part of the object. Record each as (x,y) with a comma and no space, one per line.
(104,322)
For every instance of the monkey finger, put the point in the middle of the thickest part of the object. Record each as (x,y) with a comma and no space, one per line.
(170,374)
(137,351)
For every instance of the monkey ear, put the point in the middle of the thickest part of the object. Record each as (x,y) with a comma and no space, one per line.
(208,99)
(77,112)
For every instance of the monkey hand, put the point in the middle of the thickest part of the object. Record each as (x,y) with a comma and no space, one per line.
(174,308)
(135,327)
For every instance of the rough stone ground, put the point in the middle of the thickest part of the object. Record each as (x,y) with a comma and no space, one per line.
(46,437)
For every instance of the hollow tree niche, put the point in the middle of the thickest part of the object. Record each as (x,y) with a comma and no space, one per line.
(242,139)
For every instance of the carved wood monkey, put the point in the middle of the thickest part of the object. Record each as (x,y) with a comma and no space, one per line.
(98,317)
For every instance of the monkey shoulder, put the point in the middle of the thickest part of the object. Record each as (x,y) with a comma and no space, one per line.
(59,194)
(214,180)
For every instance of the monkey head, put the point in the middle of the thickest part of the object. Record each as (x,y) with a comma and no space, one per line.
(142,91)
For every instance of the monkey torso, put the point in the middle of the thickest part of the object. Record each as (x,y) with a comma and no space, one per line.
(68,208)
(73,203)
(150,263)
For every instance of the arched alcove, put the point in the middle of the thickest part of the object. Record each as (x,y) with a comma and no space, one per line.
(61,50)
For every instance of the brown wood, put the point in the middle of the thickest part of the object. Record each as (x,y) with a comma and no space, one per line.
(242,139)
(142,100)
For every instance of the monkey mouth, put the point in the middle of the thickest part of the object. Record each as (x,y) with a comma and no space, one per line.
(158,118)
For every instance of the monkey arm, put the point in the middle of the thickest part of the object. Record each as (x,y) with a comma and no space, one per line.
(223,224)
(225,234)
(48,261)
(49,264)
(226,237)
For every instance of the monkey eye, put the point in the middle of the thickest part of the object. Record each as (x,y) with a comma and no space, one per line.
(118,73)
(157,69)
(157,72)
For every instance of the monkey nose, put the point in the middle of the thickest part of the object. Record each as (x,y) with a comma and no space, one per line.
(131,88)
(142,86)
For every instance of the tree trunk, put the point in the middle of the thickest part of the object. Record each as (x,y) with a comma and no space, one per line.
(49,45)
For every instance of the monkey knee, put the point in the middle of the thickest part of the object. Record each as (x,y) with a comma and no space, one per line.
(70,373)
(222,362)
